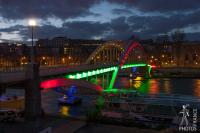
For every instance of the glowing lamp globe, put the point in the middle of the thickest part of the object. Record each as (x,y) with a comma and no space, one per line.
(32,22)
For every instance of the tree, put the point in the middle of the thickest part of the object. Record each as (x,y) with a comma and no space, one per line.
(178,37)
(162,38)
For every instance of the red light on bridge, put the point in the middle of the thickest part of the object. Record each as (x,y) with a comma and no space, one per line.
(131,47)
(52,83)
(64,82)
(153,66)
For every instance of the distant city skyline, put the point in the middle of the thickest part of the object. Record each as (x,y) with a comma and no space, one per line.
(99,19)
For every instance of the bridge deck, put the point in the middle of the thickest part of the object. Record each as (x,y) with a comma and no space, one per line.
(20,76)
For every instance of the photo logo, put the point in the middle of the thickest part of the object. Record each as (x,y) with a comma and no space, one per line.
(185,113)
(188,123)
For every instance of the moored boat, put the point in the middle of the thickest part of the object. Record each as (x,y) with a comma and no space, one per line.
(69,100)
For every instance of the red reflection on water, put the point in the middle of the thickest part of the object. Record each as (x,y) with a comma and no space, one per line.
(197,88)
(167,87)
(154,87)
(124,83)
(131,83)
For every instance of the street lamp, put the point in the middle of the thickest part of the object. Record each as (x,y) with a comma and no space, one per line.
(32,91)
(32,23)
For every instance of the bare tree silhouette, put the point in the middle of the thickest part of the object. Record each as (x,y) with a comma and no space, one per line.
(178,37)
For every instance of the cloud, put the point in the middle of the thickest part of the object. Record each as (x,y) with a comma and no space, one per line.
(116,29)
(20,9)
(119,28)
(77,29)
(193,36)
(64,9)
(85,29)
(152,25)
(122,27)
(13,28)
(160,5)
(120,11)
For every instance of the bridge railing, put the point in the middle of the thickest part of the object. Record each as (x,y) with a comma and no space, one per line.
(21,75)
(11,69)
(55,67)
(22,68)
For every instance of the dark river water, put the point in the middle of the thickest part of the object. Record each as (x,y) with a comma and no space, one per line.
(165,86)
(184,87)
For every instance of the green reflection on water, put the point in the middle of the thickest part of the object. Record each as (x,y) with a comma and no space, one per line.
(141,85)
(144,87)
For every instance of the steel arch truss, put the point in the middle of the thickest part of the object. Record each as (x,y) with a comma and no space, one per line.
(107,52)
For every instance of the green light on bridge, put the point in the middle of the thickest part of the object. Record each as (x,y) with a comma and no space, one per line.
(114,75)
(134,65)
(113,69)
(91,73)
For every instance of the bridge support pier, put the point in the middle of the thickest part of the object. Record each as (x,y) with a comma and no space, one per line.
(96,79)
(103,85)
(148,72)
(32,93)
(107,80)
(2,89)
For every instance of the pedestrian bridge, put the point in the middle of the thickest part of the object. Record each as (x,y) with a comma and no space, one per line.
(108,58)
(113,69)
(76,78)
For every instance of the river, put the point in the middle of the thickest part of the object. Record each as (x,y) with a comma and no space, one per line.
(184,87)
(166,86)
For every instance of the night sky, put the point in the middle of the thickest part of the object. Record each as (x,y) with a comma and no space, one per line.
(99,19)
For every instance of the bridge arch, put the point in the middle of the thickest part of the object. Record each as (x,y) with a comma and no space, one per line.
(107,52)
(130,46)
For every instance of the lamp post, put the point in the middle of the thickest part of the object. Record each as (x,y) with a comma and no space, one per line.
(32,23)
(32,88)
